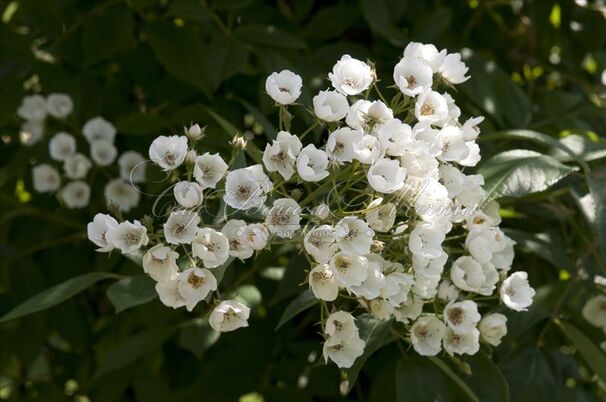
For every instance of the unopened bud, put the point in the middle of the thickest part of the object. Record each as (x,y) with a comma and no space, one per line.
(148,222)
(377,246)
(257,128)
(302,381)
(238,142)
(191,156)
(296,194)
(195,132)
(249,120)
(321,211)
(344,387)
(249,135)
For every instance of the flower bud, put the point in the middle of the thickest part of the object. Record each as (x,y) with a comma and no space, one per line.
(249,120)
(238,143)
(321,211)
(344,387)
(296,194)
(377,246)
(191,156)
(195,132)
(257,128)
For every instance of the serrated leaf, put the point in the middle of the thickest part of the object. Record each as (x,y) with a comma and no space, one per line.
(55,295)
(131,292)
(301,303)
(520,172)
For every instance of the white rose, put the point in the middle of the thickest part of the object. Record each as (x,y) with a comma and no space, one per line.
(103,153)
(77,166)
(209,169)
(386,176)
(45,178)
(75,194)
(312,164)
(493,327)
(283,218)
(168,152)
(323,283)
(351,76)
(59,105)
(188,194)
(132,167)
(426,335)
(229,315)
(61,146)
(246,188)
(516,293)
(160,262)
(99,129)
(121,193)
(330,106)
(195,285)
(284,87)
(128,237)
(181,227)
(97,231)
(211,247)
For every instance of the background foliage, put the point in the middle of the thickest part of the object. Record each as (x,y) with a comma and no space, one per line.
(151,66)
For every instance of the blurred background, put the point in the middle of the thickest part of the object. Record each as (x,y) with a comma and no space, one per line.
(152,66)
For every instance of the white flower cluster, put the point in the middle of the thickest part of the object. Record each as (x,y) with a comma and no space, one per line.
(383,211)
(62,148)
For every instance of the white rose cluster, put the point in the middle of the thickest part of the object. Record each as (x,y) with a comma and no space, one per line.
(76,166)
(383,211)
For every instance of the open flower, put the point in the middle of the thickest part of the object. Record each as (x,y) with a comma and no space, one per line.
(462,343)
(209,169)
(188,194)
(132,167)
(341,325)
(431,107)
(284,87)
(168,292)
(282,154)
(368,116)
(350,271)
(283,217)
(516,293)
(246,188)
(319,242)
(99,129)
(168,152)
(160,262)
(128,237)
(351,76)
(386,176)
(330,106)
(354,236)
(228,316)
(59,105)
(312,164)
(340,144)
(236,237)
(594,311)
(461,316)
(76,166)
(412,76)
(61,146)
(32,108)
(493,327)
(343,352)
(75,194)
(426,335)
(211,247)
(103,153)
(181,227)
(323,283)
(97,231)
(46,179)
(195,285)
(123,194)
(453,70)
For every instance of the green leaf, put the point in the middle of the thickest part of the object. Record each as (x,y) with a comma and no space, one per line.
(106,33)
(294,275)
(55,295)
(181,51)
(249,295)
(593,355)
(189,10)
(130,292)
(418,380)
(301,303)
(486,380)
(225,58)
(530,376)
(455,378)
(141,123)
(268,129)
(198,337)
(597,188)
(376,334)
(520,172)
(549,246)
(267,36)
(134,348)
(379,19)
